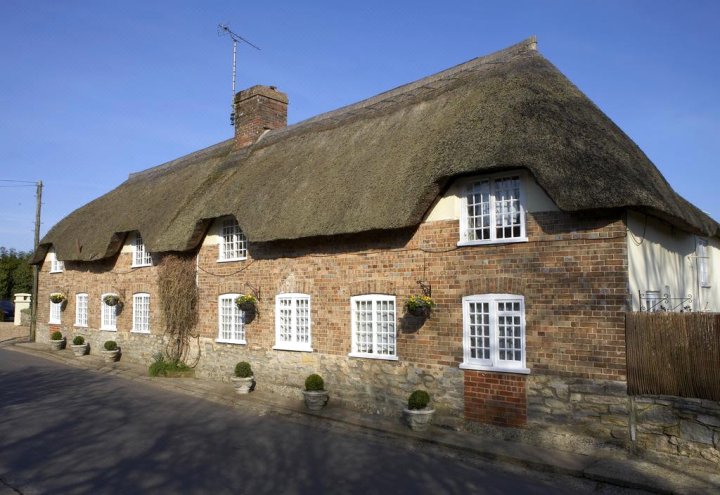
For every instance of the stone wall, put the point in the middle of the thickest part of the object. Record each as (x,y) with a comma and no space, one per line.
(602,410)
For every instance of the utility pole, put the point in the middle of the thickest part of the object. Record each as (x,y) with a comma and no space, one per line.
(36,269)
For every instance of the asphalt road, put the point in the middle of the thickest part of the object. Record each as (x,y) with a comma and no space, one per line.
(67,430)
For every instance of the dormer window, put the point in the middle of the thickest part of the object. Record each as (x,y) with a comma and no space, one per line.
(56,266)
(493,211)
(233,244)
(140,255)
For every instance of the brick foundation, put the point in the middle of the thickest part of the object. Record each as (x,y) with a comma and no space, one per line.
(495,398)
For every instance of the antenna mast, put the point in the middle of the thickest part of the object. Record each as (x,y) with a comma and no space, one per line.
(225,29)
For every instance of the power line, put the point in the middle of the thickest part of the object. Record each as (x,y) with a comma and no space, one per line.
(21,181)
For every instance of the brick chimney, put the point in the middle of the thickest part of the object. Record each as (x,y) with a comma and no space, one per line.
(257,109)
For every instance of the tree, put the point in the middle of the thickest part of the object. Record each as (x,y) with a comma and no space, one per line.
(15,272)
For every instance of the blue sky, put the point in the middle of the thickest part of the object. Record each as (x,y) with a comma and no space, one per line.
(91,91)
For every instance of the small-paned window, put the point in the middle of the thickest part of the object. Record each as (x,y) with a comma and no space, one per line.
(141,313)
(81,310)
(373,325)
(140,255)
(55,313)
(231,319)
(108,315)
(292,322)
(494,333)
(56,266)
(493,211)
(233,244)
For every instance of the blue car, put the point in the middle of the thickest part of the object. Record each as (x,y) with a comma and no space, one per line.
(7,310)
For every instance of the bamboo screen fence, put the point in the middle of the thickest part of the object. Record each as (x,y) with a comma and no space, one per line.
(673,354)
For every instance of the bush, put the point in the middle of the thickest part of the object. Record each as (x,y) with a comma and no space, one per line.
(314,382)
(111,345)
(419,399)
(56,336)
(243,370)
(161,366)
(79,340)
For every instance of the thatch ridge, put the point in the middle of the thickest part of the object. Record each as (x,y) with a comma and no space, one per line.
(379,164)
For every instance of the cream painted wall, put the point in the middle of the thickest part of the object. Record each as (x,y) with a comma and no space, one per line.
(663,258)
(447,207)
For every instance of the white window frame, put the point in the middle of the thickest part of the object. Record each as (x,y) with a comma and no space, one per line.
(55,313)
(232,241)
(56,266)
(493,362)
(294,343)
(469,187)
(108,315)
(373,299)
(141,312)
(81,309)
(703,263)
(236,320)
(141,257)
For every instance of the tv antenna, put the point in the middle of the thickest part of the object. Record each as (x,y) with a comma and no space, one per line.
(223,29)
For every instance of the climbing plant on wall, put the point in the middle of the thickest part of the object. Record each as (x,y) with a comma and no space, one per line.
(178,296)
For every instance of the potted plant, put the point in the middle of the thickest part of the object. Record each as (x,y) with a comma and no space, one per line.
(243,377)
(79,347)
(111,299)
(247,303)
(111,351)
(57,297)
(315,394)
(420,306)
(418,414)
(57,341)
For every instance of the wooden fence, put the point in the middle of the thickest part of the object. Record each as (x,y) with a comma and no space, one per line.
(673,354)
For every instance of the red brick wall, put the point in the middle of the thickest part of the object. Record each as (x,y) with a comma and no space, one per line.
(572,273)
(256,109)
(495,398)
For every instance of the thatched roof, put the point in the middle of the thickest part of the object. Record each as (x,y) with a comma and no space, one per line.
(379,164)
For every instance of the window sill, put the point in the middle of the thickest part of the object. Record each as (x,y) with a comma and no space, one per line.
(292,348)
(108,329)
(373,356)
(496,369)
(54,322)
(80,326)
(227,341)
(140,266)
(231,259)
(499,241)
(56,271)
(146,332)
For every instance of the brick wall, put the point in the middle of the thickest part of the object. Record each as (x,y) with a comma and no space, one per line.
(256,109)
(495,398)
(572,274)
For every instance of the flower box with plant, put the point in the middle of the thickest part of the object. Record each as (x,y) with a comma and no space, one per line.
(57,341)
(246,302)
(419,305)
(79,347)
(243,378)
(418,413)
(111,299)
(315,394)
(111,351)
(57,298)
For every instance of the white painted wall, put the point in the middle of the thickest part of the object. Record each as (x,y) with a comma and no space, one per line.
(663,258)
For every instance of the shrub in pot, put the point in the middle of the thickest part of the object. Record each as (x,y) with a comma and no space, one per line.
(79,347)
(57,341)
(111,351)
(243,378)
(418,413)
(315,394)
